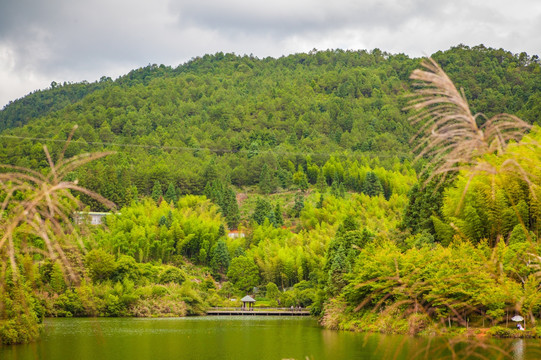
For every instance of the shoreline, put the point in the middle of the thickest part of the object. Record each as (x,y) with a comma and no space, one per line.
(494,332)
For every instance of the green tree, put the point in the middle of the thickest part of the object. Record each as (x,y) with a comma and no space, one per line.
(298,205)
(172,274)
(272,293)
(226,199)
(262,210)
(244,273)
(220,258)
(105,133)
(157,192)
(371,185)
(57,279)
(278,217)
(210,172)
(267,182)
(100,264)
(232,214)
(321,183)
(19,312)
(319,204)
(425,200)
(300,179)
(284,178)
(126,269)
(171,194)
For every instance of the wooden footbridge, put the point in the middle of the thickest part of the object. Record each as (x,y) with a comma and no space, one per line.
(262,311)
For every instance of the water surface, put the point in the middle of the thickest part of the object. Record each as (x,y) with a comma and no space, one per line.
(227,337)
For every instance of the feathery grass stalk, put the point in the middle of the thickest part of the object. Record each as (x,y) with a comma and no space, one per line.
(46,205)
(448,131)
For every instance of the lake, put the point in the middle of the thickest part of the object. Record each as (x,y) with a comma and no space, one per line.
(227,337)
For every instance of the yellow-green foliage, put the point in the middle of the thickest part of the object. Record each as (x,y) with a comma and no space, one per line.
(20,313)
(493,203)
(148,232)
(460,281)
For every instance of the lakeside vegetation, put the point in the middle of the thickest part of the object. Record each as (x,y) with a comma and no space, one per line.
(308,156)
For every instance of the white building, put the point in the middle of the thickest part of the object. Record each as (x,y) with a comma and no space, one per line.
(91,217)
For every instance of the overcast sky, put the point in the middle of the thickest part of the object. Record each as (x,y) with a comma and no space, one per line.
(74,40)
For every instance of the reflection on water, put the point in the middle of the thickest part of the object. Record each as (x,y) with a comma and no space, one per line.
(518,349)
(223,338)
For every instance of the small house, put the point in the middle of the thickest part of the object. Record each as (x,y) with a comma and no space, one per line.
(91,217)
(235,234)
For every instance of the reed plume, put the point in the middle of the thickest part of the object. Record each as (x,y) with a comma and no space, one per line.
(42,204)
(449,134)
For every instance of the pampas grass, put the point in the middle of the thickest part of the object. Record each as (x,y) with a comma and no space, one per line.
(450,137)
(42,204)
(449,134)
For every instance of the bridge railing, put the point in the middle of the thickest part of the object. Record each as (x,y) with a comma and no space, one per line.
(238,308)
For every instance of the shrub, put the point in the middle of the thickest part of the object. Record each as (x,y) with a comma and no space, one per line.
(417,323)
(19,331)
(159,291)
(172,274)
(100,264)
(113,306)
(17,306)
(126,268)
(500,332)
(69,304)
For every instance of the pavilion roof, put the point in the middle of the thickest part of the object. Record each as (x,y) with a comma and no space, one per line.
(247,298)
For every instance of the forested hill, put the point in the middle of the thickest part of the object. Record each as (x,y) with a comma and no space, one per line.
(238,118)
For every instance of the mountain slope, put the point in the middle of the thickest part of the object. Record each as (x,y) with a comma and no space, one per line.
(238,114)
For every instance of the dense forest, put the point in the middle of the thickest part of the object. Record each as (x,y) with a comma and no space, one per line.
(310,157)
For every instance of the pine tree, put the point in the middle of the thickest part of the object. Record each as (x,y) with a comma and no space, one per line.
(220,259)
(321,183)
(171,194)
(298,206)
(320,201)
(267,182)
(272,218)
(303,183)
(57,279)
(210,173)
(284,178)
(224,196)
(157,192)
(278,217)
(337,188)
(338,266)
(214,190)
(232,213)
(371,185)
(162,221)
(262,210)
(239,251)
(221,231)
(424,201)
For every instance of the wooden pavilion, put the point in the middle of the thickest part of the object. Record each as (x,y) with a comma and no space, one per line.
(248,300)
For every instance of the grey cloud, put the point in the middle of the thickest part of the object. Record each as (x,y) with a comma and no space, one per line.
(303,16)
(81,35)
(66,40)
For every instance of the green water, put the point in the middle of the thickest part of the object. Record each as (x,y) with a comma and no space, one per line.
(223,338)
